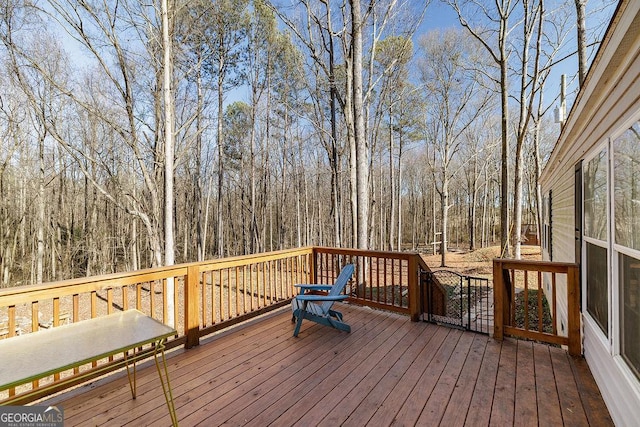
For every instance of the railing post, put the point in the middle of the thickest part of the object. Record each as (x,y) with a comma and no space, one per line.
(414,291)
(191,307)
(313,274)
(573,301)
(498,301)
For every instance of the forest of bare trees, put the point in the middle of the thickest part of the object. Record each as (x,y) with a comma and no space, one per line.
(142,134)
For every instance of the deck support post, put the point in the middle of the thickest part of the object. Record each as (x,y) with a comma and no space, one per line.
(498,301)
(414,290)
(191,304)
(573,320)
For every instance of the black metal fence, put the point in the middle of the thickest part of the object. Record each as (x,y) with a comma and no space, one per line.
(468,300)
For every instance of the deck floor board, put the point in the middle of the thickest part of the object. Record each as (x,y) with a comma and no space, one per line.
(387,371)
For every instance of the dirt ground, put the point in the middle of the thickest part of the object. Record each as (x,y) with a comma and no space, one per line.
(478,262)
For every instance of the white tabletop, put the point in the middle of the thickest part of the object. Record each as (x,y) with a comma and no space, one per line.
(28,357)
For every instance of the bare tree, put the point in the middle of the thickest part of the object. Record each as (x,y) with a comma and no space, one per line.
(581,29)
(532,21)
(497,17)
(169,116)
(229,29)
(457,99)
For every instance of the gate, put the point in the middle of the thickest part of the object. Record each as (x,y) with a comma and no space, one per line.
(467,300)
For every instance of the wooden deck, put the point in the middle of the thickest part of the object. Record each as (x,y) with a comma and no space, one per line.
(388,371)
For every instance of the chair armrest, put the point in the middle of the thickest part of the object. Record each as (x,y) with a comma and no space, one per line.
(321,297)
(314,287)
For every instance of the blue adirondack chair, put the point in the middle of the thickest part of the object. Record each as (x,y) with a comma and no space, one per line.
(318,308)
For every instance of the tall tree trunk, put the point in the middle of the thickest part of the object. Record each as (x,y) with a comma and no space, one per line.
(197,192)
(220,216)
(41,214)
(504,149)
(473,208)
(444,202)
(528,79)
(485,198)
(399,201)
(392,185)
(581,27)
(361,148)
(333,159)
(167,90)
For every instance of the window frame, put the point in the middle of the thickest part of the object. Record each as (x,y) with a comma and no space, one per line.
(615,291)
(618,249)
(605,337)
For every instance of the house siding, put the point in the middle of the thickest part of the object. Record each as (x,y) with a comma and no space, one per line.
(562,248)
(607,104)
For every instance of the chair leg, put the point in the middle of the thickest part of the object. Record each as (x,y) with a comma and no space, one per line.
(301,312)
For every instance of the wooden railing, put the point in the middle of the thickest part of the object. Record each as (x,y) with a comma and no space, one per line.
(385,280)
(231,290)
(526,296)
(211,295)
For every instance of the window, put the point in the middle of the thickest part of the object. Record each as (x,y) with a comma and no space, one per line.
(596,278)
(595,197)
(626,170)
(626,206)
(596,202)
(629,276)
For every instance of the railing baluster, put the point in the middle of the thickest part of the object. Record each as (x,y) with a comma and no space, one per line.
(277,280)
(526,300)
(214,298)
(139,296)
(244,288)
(554,311)
(384,282)
(512,320)
(253,289)
(540,311)
(370,281)
(11,323)
(109,301)
(165,303)
(269,276)
(35,315)
(288,274)
(35,325)
(221,289)
(176,299)
(202,277)
(393,282)
(125,297)
(228,271)
(378,279)
(235,278)
(291,277)
(152,304)
(263,274)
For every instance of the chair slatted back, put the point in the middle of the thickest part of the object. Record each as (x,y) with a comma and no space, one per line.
(339,284)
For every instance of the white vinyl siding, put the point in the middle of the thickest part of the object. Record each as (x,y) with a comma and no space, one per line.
(562,247)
